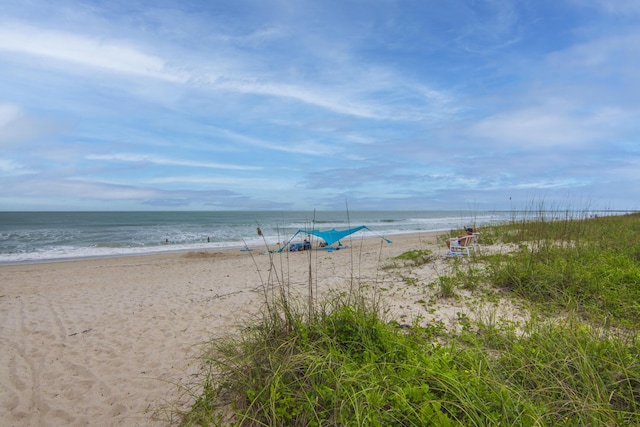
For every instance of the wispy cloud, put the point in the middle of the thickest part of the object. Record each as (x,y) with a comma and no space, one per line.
(8,114)
(122,57)
(92,52)
(617,7)
(156,160)
(16,126)
(299,147)
(279,104)
(542,129)
(10,167)
(226,182)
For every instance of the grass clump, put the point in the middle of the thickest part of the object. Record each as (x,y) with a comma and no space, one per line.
(348,367)
(343,364)
(571,373)
(413,258)
(588,265)
(334,369)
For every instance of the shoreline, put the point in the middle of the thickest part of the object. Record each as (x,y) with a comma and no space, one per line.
(105,341)
(193,249)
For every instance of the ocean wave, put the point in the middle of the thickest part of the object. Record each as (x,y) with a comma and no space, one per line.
(40,236)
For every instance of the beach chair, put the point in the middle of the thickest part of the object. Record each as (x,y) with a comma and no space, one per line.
(460,246)
(474,243)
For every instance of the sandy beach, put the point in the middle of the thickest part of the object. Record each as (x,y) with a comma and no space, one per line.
(107,341)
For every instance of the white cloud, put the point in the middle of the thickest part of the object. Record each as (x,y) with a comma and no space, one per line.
(16,126)
(8,113)
(550,127)
(157,160)
(299,147)
(93,52)
(323,99)
(273,183)
(529,128)
(265,88)
(238,73)
(551,184)
(10,167)
(612,52)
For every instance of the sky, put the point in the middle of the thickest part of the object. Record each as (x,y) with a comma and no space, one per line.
(319,104)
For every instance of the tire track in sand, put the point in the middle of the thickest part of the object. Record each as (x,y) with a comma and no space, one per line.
(34,342)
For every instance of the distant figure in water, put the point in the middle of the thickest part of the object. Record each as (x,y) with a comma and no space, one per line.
(259,231)
(166,241)
(208,239)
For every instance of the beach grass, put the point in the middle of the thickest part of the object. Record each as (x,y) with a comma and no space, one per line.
(575,361)
(589,265)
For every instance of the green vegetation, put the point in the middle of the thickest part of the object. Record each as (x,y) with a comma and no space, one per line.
(576,362)
(591,265)
(413,258)
(417,256)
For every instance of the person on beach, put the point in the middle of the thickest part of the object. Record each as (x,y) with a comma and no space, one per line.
(468,232)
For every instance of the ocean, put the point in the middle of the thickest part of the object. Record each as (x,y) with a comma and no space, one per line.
(30,237)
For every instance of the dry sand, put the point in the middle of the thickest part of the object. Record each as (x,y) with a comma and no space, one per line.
(106,341)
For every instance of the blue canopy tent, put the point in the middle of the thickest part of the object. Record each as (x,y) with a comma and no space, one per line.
(329,236)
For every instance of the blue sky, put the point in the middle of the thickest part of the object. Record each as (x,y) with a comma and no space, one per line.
(298,104)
